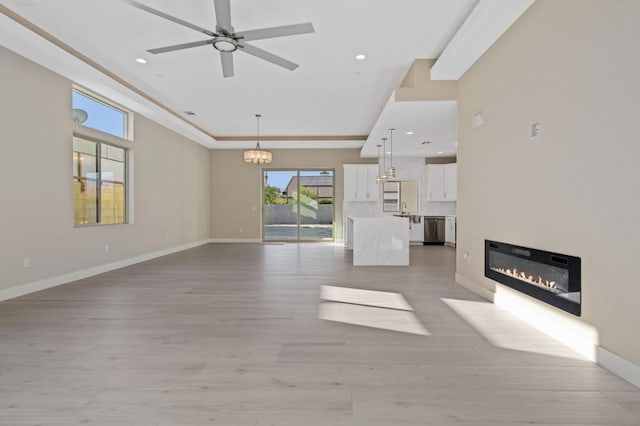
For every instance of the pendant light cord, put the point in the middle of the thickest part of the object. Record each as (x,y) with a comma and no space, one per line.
(384,155)
(258,131)
(391,147)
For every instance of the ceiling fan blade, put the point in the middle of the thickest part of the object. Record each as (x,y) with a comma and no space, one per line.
(283,31)
(169,17)
(263,54)
(180,46)
(223,15)
(227,64)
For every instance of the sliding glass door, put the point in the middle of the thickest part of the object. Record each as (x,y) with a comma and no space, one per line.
(316,204)
(298,205)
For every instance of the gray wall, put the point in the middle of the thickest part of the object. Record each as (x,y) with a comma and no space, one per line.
(171,184)
(236,186)
(569,65)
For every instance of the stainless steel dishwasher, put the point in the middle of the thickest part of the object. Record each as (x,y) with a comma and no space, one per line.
(434,230)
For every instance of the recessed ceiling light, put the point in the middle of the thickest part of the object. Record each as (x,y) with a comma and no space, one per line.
(388,152)
(409,132)
(440,152)
(455,144)
(141,60)
(361,57)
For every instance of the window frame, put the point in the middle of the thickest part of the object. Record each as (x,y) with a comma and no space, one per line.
(99,137)
(128,115)
(99,181)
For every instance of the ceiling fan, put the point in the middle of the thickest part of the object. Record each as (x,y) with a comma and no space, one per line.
(226,40)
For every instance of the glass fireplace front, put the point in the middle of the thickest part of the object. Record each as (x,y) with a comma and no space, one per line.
(550,277)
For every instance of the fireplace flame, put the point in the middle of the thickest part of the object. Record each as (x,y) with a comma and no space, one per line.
(523,276)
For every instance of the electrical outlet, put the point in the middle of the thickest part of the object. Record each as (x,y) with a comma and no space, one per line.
(106,248)
(467,256)
(26,262)
(241,229)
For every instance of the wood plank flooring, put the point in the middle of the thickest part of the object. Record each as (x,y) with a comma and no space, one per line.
(229,334)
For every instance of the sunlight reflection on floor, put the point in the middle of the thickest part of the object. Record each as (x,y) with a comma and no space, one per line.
(506,331)
(376,309)
(381,299)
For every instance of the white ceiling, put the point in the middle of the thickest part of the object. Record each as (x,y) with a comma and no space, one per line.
(329,94)
(432,122)
(331,101)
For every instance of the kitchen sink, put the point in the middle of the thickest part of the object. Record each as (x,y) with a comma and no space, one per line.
(413,218)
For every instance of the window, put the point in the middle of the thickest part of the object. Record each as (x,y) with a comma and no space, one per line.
(99,182)
(99,159)
(90,111)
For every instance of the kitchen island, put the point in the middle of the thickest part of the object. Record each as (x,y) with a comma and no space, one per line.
(378,240)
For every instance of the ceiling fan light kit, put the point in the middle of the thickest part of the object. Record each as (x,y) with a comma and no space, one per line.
(225,44)
(226,40)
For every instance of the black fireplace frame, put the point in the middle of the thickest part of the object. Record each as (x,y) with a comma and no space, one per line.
(570,263)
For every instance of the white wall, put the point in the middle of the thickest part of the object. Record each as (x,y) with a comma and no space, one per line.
(171,184)
(573,65)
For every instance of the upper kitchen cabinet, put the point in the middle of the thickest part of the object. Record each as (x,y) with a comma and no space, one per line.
(442,182)
(451,182)
(360,182)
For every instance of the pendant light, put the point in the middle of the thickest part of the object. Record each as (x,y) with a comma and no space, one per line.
(379,178)
(382,177)
(391,171)
(257,156)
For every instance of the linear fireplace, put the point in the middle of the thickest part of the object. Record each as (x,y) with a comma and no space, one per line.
(551,277)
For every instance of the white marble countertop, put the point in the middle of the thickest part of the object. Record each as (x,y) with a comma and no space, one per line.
(380,240)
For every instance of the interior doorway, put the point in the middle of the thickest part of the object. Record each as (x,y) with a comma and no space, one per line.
(298,205)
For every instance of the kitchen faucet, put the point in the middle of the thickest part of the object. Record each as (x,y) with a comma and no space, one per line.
(403,207)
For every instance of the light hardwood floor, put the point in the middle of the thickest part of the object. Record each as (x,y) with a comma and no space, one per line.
(229,334)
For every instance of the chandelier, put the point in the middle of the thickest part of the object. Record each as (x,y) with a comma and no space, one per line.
(257,155)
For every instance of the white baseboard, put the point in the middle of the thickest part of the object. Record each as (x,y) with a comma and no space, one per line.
(481,291)
(235,240)
(22,289)
(618,365)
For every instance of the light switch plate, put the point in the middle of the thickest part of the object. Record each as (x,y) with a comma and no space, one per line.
(534,130)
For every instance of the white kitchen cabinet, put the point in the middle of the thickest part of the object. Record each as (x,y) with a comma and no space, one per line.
(350,182)
(360,182)
(435,182)
(442,182)
(450,230)
(451,182)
